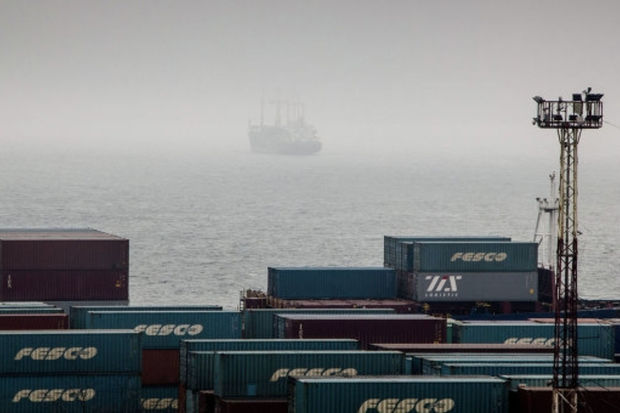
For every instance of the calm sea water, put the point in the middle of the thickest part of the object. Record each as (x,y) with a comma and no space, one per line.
(203,227)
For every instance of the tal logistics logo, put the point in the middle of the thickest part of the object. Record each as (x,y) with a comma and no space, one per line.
(442,285)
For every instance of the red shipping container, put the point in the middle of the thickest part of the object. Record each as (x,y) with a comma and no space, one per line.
(206,402)
(33,321)
(62,249)
(160,367)
(400,306)
(78,285)
(461,348)
(367,328)
(589,399)
(251,405)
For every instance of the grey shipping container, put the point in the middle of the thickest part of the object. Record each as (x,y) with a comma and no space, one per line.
(62,249)
(472,286)
(383,328)
(160,399)
(474,256)
(77,313)
(70,351)
(260,323)
(165,329)
(399,394)
(391,245)
(542,380)
(331,282)
(265,373)
(70,393)
(593,339)
(204,361)
(496,369)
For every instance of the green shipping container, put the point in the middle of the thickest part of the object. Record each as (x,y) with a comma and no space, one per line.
(496,369)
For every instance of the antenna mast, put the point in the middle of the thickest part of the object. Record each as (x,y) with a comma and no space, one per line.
(569,118)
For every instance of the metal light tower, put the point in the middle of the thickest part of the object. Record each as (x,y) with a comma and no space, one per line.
(569,118)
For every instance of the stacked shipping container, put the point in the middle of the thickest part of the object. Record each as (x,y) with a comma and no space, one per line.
(63,265)
(435,270)
(69,371)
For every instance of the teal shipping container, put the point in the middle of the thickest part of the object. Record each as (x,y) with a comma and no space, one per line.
(70,393)
(593,339)
(160,399)
(392,252)
(411,394)
(428,256)
(432,364)
(496,369)
(265,373)
(165,329)
(202,354)
(260,322)
(298,283)
(30,310)
(77,313)
(70,351)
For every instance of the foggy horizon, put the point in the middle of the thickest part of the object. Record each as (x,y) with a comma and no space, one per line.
(442,79)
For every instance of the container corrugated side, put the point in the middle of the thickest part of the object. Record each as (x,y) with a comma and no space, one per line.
(391,244)
(388,328)
(496,369)
(542,380)
(440,348)
(260,323)
(265,373)
(64,285)
(31,310)
(399,394)
(590,399)
(66,254)
(159,399)
(160,367)
(251,405)
(474,256)
(204,362)
(474,286)
(432,364)
(70,393)
(165,329)
(70,351)
(593,339)
(34,321)
(77,314)
(331,282)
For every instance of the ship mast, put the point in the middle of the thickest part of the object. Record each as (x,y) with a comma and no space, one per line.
(569,119)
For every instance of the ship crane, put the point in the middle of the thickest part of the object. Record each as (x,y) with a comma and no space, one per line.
(568,118)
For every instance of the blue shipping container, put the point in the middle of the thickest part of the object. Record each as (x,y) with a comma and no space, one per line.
(70,393)
(77,313)
(399,394)
(496,369)
(299,283)
(265,373)
(70,351)
(165,329)
(473,256)
(202,363)
(593,339)
(160,399)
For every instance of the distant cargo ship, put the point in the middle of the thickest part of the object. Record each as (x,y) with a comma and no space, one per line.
(294,136)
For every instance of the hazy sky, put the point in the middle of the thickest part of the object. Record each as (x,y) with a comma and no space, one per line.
(420,76)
